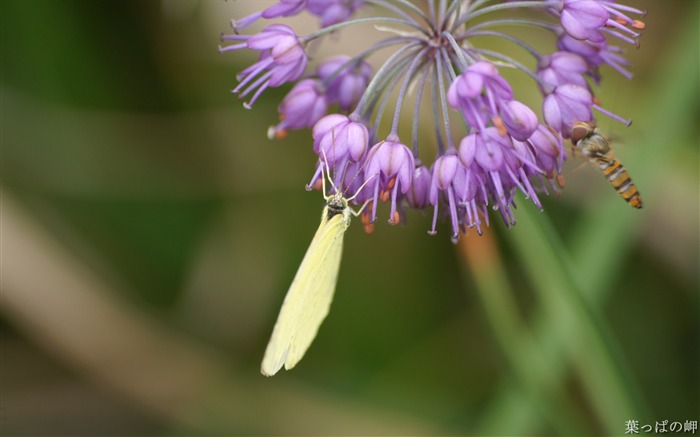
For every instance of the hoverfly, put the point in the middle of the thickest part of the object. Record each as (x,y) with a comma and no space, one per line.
(590,143)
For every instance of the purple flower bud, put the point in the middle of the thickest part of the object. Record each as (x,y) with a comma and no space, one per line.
(473,197)
(445,171)
(284,48)
(519,119)
(479,78)
(340,142)
(566,106)
(586,50)
(303,106)
(490,149)
(345,83)
(417,195)
(478,93)
(583,19)
(325,124)
(548,150)
(282,59)
(333,11)
(391,166)
(484,148)
(595,54)
(497,165)
(337,135)
(561,68)
(284,8)
(467,149)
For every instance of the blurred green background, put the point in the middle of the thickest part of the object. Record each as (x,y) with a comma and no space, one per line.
(150,230)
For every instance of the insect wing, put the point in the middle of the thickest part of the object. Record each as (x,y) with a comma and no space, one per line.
(309,297)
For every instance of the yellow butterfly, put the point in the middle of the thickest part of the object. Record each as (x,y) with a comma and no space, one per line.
(309,297)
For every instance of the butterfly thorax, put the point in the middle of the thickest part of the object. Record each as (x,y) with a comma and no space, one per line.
(335,205)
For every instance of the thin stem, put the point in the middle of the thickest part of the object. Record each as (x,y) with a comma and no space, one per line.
(334,27)
(416,112)
(511,61)
(389,77)
(515,22)
(436,114)
(378,46)
(463,63)
(388,5)
(442,8)
(404,87)
(518,41)
(455,6)
(443,97)
(372,87)
(387,92)
(477,4)
(473,13)
(451,68)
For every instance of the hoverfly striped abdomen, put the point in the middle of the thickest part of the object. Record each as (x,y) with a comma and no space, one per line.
(595,147)
(618,177)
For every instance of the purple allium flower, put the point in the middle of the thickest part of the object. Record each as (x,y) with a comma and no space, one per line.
(283,8)
(282,59)
(567,105)
(445,171)
(583,19)
(479,93)
(474,141)
(520,120)
(595,55)
(333,11)
(329,11)
(339,141)
(417,195)
(586,20)
(548,150)
(561,68)
(301,108)
(346,80)
(390,165)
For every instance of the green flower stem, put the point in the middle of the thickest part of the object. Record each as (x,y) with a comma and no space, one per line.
(543,394)
(591,352)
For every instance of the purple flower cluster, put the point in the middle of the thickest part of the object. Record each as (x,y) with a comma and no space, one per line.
(486,145)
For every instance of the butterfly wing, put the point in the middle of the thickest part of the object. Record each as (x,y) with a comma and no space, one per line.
(309,297)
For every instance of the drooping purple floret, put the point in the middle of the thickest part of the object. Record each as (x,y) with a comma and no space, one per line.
(333,11)
(390,166)
(346,80)
(282,59)
(567,105)
(303,106)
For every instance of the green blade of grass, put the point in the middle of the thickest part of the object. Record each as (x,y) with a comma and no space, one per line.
(673,102)
(545,403)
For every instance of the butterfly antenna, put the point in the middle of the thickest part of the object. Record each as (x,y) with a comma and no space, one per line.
(327,174)
(323,183)
(361,187)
